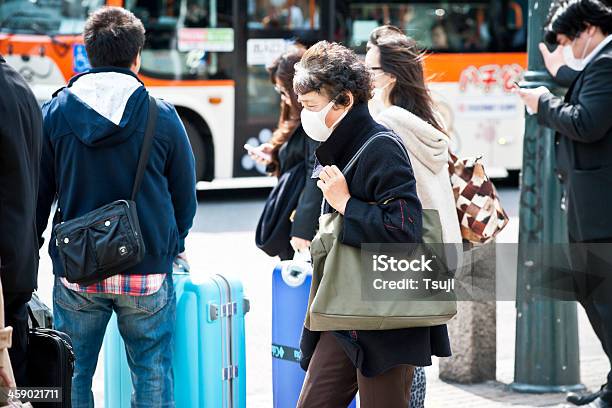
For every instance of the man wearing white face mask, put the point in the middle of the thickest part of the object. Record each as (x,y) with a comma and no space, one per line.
(583,144)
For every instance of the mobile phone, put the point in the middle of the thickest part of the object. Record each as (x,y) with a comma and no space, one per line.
(257,152)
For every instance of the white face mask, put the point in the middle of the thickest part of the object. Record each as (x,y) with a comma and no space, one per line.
(377,103)
(380,92)
(314,122)
(577,64)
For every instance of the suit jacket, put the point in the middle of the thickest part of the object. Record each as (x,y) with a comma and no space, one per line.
(20,147)
(566,76)
(583,145)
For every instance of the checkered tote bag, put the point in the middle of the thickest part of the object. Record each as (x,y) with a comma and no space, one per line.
(480,213)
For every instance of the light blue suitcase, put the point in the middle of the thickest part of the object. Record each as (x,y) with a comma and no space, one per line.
(209,353)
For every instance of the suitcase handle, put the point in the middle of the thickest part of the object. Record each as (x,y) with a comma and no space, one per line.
(180,267)
(35,324)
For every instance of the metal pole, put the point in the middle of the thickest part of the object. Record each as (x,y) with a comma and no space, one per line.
(546,349)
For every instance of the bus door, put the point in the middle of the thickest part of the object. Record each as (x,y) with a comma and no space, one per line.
(264,30)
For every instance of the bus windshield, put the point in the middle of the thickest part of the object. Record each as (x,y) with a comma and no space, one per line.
(445,26)
(186,39)
(50,17)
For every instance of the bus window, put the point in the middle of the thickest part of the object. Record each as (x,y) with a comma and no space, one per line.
(51,17)
(273,26)
(186,39)
(283,14)
(445,26)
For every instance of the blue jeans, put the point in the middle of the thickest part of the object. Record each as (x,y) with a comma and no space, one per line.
(146,324)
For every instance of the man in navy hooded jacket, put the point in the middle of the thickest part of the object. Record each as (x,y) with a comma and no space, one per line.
(93,133)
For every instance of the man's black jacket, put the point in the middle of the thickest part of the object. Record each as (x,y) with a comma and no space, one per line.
(583,125)
(20,147)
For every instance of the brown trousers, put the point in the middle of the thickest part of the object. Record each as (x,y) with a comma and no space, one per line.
(332,381)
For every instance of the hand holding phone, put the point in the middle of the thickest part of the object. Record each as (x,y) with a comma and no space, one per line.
(258,153)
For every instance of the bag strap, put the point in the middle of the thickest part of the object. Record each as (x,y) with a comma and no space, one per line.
(354,159)
(35,323)
(146,146)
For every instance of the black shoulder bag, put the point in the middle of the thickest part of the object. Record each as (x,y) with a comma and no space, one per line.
(273,232)
(106,241)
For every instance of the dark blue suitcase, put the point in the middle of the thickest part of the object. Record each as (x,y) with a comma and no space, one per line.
(290,288)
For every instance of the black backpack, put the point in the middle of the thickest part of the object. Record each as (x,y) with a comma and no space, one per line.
(273,232)
(107,240)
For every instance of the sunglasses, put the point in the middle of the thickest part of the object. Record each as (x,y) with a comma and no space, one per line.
(376,71)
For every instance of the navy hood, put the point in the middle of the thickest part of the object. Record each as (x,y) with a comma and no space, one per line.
(100,106)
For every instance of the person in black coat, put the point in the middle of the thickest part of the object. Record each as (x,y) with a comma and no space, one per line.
(583,144)
(290,149)
(379,204)
(20,148)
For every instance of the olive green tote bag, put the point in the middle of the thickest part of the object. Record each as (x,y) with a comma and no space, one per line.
(335,301)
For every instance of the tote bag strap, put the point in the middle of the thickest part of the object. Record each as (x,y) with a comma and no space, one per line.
(355,157)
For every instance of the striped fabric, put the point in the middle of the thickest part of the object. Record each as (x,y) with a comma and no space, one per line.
(133,285)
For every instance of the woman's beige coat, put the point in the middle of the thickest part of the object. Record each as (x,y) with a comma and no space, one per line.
(428,150)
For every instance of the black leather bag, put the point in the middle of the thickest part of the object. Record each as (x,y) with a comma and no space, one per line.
(274,227)
(50,362)
(106,241)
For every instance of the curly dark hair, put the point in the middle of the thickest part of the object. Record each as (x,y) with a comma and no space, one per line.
(333,70)
(572,17)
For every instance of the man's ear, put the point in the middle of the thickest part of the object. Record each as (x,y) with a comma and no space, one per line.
(591,30)
(136,64)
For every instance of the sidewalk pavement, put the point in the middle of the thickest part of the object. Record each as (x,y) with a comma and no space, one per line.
(235,253)
(593,364)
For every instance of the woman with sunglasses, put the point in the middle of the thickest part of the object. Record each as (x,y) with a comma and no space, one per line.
(402,103)
(290,150)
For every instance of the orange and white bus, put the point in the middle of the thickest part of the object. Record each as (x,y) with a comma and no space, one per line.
(208,58)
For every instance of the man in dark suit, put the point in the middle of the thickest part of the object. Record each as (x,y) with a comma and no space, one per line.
(583,142)
(20,147)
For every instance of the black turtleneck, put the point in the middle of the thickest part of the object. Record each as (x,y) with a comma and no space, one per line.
(352,132)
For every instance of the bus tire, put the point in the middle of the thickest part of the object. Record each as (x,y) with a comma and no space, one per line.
(199,149)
